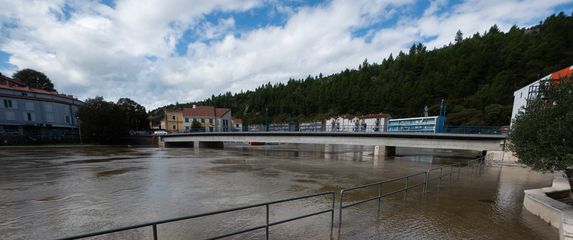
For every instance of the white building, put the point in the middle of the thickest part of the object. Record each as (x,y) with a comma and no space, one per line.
(343,123)
(524,94)
(365,123)
(374,122)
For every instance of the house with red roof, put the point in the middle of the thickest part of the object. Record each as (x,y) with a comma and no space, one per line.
(211,119)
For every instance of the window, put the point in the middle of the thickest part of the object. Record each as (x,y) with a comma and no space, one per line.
(210,121)
(202,120)
(67,119)
(7,103)
(29,116)
(173,117)
(174,127)
(186,120)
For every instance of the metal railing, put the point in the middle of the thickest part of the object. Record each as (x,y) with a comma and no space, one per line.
(442,174)
(405,187)
(266,226)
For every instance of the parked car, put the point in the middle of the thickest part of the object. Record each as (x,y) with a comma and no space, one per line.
(160,132)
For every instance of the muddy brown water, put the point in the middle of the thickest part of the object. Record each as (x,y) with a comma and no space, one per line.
(52,193)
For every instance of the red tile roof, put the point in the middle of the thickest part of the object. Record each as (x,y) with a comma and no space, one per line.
(6,81)
(205,111)
(17,85)
(563,73)
(237,121)
(379,115)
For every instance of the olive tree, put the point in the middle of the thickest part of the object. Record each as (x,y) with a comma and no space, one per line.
(542,134)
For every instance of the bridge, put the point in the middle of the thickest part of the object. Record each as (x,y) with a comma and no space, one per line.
(384,143)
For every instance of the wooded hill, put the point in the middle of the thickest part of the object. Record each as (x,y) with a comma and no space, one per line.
(476,76)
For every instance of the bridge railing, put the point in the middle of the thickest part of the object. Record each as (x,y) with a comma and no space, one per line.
(266,226)
(350,128)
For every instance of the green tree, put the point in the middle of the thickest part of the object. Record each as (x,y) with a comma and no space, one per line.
(134,115)
(102,121)
(34,79)
(459,36)
(108,122)
(541,135)
(196,125)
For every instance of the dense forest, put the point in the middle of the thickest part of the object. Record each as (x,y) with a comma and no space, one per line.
(476,76)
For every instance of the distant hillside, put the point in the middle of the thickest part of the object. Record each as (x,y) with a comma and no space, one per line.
(475,75)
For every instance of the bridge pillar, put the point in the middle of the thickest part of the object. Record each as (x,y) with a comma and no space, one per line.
(389,151)
(196,145)
(160,142)
(384,150)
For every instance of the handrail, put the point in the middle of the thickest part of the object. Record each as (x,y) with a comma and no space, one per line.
(266,225)
(404,188)
(380,185)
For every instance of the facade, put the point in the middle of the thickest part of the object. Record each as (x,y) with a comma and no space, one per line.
(27,111)
(342,123)
(364,123)
(155,122)
(310,127)
(211,119)
(237,124)
(374,122)
(174,121)
(524,94)
(417,124)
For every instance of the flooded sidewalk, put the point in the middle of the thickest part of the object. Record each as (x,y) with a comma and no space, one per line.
(52,193)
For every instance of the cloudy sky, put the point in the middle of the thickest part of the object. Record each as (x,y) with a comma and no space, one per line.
(158,52)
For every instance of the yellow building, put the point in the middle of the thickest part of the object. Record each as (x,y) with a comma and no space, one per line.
(174,120)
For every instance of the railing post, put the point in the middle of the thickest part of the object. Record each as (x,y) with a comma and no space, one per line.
(425,182)
(267,225)
(406,189)
(451,172)
(332,214)
(340,210)
(379,196)
(154,232)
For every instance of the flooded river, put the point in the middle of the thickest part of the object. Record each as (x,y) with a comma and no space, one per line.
(50,193)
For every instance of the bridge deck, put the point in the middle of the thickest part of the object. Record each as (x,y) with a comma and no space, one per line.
(477,142)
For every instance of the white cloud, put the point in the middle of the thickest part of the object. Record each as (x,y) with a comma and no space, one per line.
(130,50)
